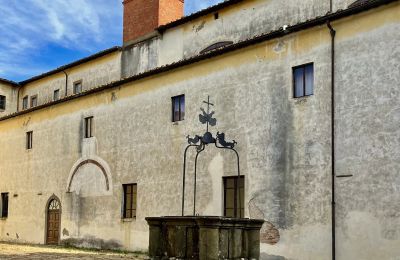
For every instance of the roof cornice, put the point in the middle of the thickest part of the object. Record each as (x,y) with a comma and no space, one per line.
(330,17)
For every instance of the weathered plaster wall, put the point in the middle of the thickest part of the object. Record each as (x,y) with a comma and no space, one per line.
(10,92)
(93,74)
(284,144)
(368,131)
(247,87)
(140,57)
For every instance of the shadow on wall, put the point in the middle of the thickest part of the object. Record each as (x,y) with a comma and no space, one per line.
(92,242)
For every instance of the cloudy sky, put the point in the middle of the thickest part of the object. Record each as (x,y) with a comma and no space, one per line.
(39,35)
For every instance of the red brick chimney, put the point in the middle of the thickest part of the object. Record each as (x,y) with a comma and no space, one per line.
(141,17)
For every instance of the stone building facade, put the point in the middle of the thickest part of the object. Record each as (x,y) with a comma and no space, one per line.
(77,140)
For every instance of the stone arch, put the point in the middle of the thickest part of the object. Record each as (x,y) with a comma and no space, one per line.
(97,162)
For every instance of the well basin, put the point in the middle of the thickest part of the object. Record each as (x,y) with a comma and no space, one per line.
(204,237)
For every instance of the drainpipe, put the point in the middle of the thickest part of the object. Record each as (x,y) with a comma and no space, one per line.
(19,88)
(333,34)
(66,82)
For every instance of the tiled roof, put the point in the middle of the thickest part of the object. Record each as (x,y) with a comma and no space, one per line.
(9,82)
(70,65)
(220,51)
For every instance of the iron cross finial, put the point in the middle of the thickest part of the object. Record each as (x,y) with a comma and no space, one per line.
(207,117)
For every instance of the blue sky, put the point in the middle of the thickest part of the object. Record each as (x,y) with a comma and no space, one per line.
(39,35)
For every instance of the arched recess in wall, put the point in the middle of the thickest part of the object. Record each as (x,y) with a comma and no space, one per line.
(215,46)
(90,177)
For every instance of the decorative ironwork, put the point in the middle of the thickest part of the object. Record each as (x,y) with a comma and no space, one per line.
(54,205)
(200,142)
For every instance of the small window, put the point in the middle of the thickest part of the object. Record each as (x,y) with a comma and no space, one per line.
(2,102)
(4,205)
(231,197)
(88,127)
(216,16)
(178,108)
(29,139)
(34,101)
(25,102)
(130,200)
(56,95)
(78,87)
(303,80)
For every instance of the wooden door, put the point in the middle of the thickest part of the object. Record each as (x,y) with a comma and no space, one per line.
(53,222)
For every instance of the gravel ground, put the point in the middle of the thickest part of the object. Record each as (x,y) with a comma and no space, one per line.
(13,251)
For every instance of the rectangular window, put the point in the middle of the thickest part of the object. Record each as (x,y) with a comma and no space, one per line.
(34,101)
(178,108)
(56,95)
(303,80)
(25,102)
(78,87)
(130,200)
(29,139)
(232,208)
(88,127)
(2,102)
(4,205)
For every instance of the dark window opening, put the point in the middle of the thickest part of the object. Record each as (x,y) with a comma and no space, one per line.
(88,127)
(56,95)
(2,102)
(29,140)
(25,102)
(4,205)
(216,16)
(231,197)
(130,200)
(178,108)
(34,101)
(303,80)
(78,87)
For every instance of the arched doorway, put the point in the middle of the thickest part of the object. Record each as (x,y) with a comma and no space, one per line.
(53,221)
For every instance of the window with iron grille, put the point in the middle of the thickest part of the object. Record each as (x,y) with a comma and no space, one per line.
(78,87)
(232,207)
(130,200)
(25,102)
(56,95)
(178,108)
(89,127)
(2,102)
(34,101)
(29,140)
(303,80)
(4,205)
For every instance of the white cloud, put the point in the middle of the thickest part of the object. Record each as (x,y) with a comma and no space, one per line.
(28,26)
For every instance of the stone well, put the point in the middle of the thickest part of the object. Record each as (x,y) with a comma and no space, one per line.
(201,237)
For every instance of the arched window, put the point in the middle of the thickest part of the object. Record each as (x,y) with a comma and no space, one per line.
(216,46)
(54,204)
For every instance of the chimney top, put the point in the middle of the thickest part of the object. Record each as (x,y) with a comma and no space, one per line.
(141,17)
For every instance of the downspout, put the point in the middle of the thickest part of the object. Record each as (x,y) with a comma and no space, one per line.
(333,34)
(66,83)
(19,88)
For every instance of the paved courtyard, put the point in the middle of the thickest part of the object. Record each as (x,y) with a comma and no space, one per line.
(12,251)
